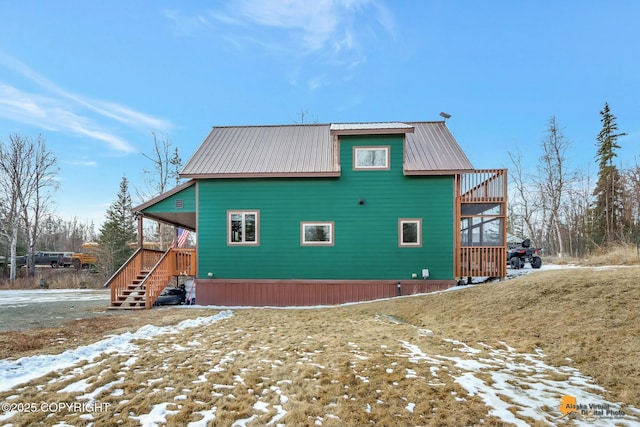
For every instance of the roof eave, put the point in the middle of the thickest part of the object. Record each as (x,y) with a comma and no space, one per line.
(162,196)
(328,174)
(436,172)
(382,131)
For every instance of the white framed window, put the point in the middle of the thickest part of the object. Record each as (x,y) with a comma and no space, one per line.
(316,233)
(243,227)
(371,158)
(410,232)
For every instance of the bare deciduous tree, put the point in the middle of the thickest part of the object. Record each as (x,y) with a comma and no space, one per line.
(27,170)
(523,204)
(631,203)
(166,165)
(553,179)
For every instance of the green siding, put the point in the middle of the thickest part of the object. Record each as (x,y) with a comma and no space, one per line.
(188,196)
(366,236)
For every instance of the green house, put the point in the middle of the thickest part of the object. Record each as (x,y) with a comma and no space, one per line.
(330,213)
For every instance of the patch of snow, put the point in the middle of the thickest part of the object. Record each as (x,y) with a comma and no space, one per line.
(527,383)
(157,415)
(261,406)
(244,422)
(75,387)
(14,372)
(463,347)
(17,297)
(91,397)
(207,416)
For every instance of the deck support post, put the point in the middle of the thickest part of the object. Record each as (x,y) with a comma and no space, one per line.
(140,218)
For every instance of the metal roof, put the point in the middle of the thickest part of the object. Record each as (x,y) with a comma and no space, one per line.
(264,150)
(311,150)
(432,149)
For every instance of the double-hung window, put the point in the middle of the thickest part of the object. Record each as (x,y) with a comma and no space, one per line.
(371,158)
(410,232)
(316,233)
(243,227)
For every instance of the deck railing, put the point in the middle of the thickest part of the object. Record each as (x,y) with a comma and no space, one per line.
(174,262)
(483,186)
(184,262)
(157,279)
(159,265)
(483,261)
(142,260)
(484,194)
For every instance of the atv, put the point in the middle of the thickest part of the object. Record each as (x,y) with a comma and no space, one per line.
(523,253)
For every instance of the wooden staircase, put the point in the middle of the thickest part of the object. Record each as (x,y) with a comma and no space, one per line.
(139,282)
(133,295)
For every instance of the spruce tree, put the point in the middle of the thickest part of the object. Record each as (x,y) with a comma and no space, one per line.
(606,213)
(118,231)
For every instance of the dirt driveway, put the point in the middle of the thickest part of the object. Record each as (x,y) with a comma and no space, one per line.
(29,309)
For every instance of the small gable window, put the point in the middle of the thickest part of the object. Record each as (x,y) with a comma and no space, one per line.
(243,227)
(316,233)
(371,158)
(410,232)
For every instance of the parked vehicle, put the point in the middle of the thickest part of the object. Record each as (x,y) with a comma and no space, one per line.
(523,253)
(87,257)
(172,296)
(53,259)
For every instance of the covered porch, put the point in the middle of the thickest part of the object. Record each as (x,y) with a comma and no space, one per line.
(140,280)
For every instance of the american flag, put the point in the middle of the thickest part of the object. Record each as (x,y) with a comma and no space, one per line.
(183,235)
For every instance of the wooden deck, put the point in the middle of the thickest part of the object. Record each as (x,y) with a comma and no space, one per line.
(481,206)
(139,282)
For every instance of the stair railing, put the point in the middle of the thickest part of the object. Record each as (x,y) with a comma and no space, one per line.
(141,259)
(157,279)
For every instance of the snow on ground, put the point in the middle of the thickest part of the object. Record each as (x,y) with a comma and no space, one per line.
(14,372)
(20,297)
(525,379)
(508,382)
(503,378)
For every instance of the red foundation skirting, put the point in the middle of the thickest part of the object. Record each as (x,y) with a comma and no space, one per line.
(284,293)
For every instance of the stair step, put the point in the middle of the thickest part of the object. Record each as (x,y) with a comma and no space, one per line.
(132,291)
(123,298)
(133,295)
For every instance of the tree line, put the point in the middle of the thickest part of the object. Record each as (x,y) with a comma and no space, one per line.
(567,211)
(29,223)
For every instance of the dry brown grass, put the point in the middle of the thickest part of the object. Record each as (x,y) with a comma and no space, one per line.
(14,344)
(55,278)
(616,255)
(347,365)
(589,315)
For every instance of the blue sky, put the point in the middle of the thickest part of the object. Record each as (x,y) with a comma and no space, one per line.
(97,78)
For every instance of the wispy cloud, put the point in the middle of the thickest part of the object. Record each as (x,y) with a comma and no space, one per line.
(337,33)
(57,109)
(187,26)
(87,163)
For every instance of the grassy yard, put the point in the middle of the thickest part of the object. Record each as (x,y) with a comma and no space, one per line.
(402,361)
